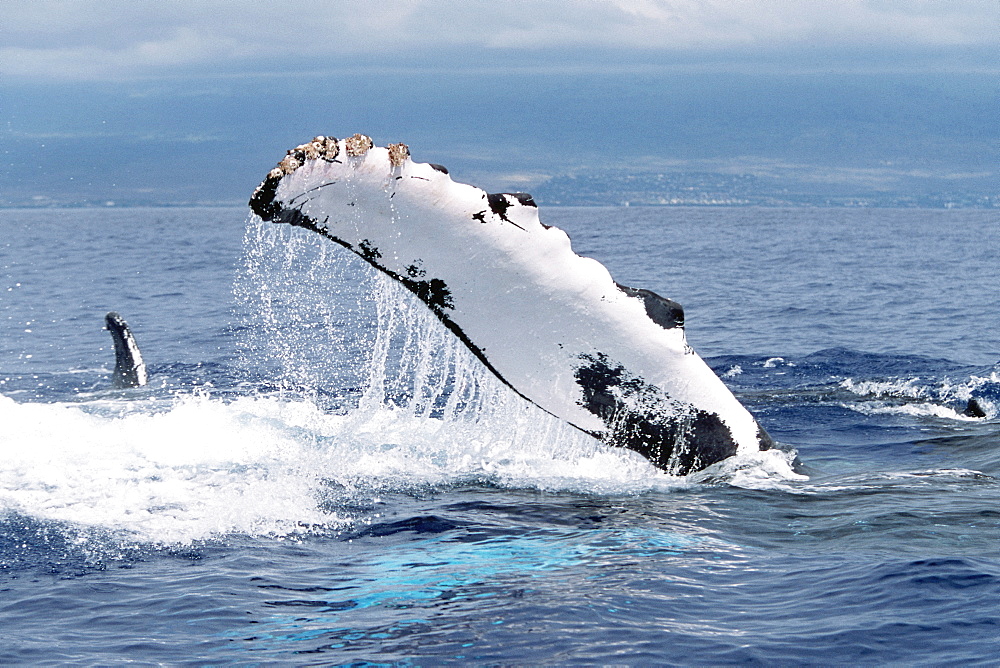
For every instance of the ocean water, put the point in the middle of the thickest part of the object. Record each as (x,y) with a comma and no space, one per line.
(317,474)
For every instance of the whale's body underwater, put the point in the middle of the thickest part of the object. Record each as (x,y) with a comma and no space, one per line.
(555,327)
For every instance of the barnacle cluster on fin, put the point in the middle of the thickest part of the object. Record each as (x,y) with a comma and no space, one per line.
(398,153)
(325,148)
(328,148)
(357,145)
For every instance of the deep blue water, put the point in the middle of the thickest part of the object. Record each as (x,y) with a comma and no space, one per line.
(317,475)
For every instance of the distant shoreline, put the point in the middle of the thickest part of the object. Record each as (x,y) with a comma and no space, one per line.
(991,206)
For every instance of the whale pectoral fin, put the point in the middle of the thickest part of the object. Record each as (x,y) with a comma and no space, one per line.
(666,313)
(551,325)
(130,370)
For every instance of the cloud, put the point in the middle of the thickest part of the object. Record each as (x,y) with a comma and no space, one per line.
(112,39)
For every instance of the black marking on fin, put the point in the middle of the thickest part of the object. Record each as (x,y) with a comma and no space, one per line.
(439,168)
(368,250)
(666,313)
(675,436)
(314,188)
(499,204)
(262,202)
(524,199)
(130,370)
(433,292)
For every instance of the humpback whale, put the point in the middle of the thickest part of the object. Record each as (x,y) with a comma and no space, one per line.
(555,327)
(130,370)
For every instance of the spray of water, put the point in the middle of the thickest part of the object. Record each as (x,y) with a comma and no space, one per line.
(325,324)
(305,309)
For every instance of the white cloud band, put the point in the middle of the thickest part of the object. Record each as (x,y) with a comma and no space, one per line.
(110,39)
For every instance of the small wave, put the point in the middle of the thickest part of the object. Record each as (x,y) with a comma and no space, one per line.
(912,409)
(945,398)
(901,388)
(967,474)
(867,483)
(766,470)
(888,480)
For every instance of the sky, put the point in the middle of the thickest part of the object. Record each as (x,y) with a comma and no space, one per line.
(172,102)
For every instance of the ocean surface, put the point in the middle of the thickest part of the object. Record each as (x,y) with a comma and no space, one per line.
(317,474)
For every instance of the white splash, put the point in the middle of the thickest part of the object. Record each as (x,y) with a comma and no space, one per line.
(907,388)
(733,371)
(922,409)
(768,469)
(199,469)
(922,398)
(261,466)
(414,408)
